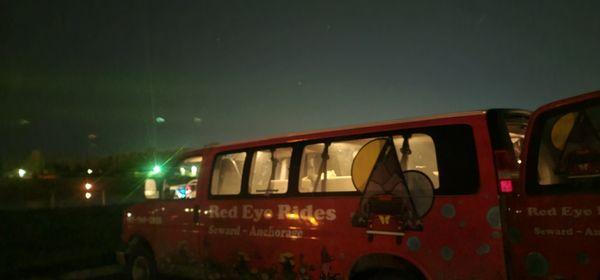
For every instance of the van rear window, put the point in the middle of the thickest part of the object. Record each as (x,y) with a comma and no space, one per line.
(418,154)
(445,154)
(568,158)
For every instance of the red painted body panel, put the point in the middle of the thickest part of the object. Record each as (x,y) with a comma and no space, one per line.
(450,247)
(574,255)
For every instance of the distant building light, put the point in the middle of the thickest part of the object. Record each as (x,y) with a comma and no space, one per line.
(90,171)
(194,170)
(160,120)
(88,195)
(21,172)
(87,186)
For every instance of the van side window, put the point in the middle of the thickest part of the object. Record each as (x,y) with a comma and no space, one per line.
(227,174)
(418,153)
(270,170)
(182,179)
(326,167)
(569,151)
(446,154)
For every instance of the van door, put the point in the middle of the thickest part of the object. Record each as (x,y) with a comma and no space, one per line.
(554,216)
(177,248)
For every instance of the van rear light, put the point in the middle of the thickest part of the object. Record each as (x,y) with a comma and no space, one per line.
(506,170)
(506,186)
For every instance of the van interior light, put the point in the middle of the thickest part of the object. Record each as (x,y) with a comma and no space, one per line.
(150,189)
(506,186)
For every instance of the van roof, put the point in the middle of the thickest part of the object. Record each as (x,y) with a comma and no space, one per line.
(352,129)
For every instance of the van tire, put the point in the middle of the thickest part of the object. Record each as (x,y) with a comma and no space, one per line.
(390,274)
(141,264)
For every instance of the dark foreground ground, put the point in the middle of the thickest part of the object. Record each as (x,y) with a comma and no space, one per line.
(50,243)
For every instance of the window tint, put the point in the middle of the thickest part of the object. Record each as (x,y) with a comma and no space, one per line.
(569,151)
(456,159)
(227,174)
(181,181)
(418,153)
(269,172)
(446,154)
(326,167)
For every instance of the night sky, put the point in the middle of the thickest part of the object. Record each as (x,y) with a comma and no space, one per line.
(219,71)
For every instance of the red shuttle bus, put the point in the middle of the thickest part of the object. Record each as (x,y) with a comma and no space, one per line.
(492,194)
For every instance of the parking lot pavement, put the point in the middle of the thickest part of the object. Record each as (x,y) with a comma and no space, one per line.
(104,272)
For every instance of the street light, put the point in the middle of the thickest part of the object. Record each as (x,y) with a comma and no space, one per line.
(156,169)
(88,195)
(90,171)
(88,186)
(21,172)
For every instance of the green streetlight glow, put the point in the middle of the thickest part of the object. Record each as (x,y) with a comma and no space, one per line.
(156,169)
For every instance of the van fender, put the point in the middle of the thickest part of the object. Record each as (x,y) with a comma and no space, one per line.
(368,264)
(137,241)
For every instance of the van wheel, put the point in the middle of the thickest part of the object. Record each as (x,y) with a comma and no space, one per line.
(389,274)
(141,265)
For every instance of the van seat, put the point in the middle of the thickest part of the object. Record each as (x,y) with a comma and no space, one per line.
(279,186)
(334,184)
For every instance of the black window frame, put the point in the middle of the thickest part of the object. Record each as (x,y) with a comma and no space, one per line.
(298,149)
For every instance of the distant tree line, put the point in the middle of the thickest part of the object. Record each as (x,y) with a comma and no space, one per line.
(126,164)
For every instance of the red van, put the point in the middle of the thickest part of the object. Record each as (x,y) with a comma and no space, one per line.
(489,194)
